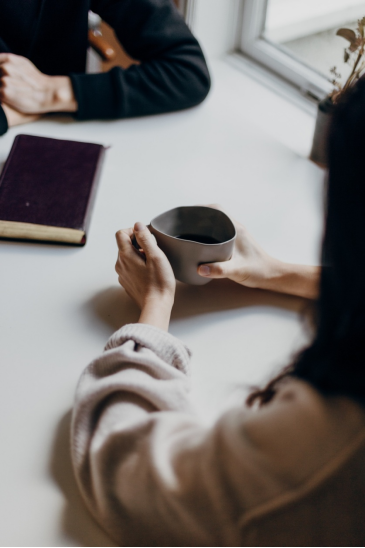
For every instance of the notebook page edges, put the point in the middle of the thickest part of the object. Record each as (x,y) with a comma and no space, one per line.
(27,231)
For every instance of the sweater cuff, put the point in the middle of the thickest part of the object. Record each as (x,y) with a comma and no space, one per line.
(164,345)
(3,122)
(97,95)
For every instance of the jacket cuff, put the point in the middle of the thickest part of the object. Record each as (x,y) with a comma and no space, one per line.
(3,122)
(97,95)
(164,345)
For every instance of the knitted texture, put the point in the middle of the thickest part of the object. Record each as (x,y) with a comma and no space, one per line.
(153,474)
(164,345)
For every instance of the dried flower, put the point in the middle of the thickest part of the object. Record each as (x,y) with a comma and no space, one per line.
(353,56)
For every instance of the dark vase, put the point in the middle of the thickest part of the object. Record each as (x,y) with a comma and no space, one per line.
(319,147)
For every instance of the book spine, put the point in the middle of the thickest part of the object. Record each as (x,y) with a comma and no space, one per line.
(93,192)
(7,162)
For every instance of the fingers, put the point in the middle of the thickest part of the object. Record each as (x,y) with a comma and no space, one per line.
(123,238)
(128,236)
(145,239)
(7,69)
(11,58)
(4,57)
(125,251)
(6,89)
(10,64)
(215,270)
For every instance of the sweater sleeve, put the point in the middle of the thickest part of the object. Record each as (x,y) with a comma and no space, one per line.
(172,73)
(3,122)
(145,465)
(153,475)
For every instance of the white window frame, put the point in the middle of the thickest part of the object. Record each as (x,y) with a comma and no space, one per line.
(187,8)
(255,46)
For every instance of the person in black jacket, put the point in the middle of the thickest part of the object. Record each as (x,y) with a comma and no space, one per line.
(43,47)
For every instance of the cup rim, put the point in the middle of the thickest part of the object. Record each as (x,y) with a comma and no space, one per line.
(193,241)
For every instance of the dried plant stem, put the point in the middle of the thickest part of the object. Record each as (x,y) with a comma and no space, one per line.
(353,72)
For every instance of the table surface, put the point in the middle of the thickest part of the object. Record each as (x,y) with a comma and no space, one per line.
(244,148)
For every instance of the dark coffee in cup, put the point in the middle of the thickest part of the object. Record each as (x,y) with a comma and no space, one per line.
(198,238)
(194,235)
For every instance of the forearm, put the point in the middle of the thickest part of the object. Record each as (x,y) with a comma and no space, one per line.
(293,279)
(119,395)
(172,74)
(140,454)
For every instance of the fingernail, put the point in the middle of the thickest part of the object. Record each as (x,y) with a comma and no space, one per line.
(138,227)
(204,270)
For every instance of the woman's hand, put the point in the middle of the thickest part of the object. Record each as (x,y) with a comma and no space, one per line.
(27,90)
(146,275)
(251,266)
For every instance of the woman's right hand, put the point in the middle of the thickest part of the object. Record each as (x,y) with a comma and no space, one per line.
(250,265)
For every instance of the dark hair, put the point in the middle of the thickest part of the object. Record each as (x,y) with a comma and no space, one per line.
(334,363)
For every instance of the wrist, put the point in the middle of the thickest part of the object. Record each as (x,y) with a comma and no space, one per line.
(274,273)
(61,97)
(156,311)
(265,275)
(163,298)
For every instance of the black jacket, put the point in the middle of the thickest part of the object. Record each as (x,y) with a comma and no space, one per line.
(172,75)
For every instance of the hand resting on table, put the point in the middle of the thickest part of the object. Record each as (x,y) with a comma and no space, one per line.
(24,90)
(16,118)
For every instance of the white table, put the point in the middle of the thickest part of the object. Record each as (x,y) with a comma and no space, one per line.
(244,148)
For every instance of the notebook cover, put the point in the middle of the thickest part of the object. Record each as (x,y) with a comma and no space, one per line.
(50,182)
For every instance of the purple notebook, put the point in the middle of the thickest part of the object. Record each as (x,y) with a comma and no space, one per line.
(47,189)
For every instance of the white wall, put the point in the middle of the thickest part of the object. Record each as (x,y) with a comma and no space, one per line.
(214,23)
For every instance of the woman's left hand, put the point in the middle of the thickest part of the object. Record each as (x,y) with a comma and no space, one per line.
(146,275)
(27,90)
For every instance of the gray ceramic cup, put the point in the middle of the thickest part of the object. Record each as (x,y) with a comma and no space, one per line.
(191,236)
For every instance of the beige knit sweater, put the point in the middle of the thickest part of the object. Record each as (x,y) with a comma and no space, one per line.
(289,474)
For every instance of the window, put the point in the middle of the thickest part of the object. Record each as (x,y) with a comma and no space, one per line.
(186,7)
(297,40)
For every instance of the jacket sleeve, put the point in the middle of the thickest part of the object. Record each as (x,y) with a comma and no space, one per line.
(3,122)
(172,73)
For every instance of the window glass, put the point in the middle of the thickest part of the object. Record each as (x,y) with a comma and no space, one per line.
(307,30)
